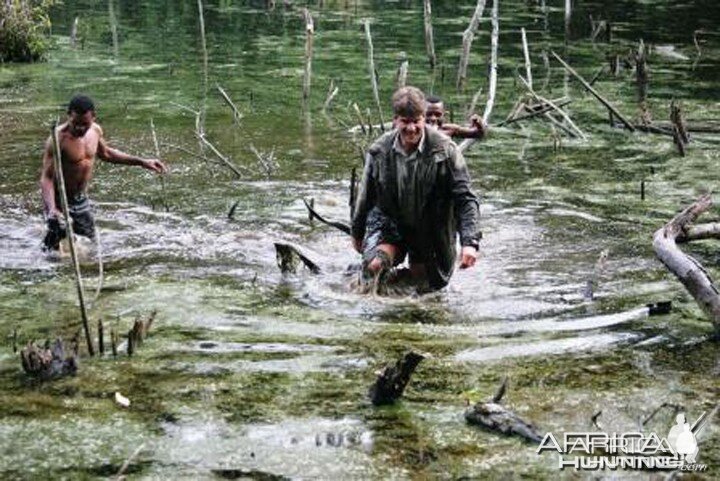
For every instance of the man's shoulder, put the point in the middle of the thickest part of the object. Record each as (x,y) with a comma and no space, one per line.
(382,144)
(97,129)
(440,145)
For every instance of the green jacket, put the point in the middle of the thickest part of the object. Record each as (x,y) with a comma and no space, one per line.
(433,210)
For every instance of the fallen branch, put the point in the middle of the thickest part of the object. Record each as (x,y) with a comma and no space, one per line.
(555,108)
(236,113)
(225,160)
(594,92)
(688,270)
(341,226)
(332,92)
(288,255)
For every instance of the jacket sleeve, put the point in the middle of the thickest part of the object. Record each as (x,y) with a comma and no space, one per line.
(465,202)
(365,198)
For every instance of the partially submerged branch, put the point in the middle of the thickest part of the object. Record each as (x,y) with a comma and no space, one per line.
(392,380)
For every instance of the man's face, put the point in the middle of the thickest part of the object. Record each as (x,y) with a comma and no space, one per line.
(435,114)
(411,130)
(80,123)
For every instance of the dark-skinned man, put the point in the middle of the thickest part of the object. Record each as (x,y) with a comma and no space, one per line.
(415,199)
(80,140)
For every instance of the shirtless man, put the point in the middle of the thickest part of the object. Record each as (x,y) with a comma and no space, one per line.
(435,116)
(81,139)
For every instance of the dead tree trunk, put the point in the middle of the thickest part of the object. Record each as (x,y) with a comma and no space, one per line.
(429,42)
(392,380)
(688,270)
(468,37)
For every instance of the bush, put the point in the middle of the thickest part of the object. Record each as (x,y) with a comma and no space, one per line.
(24,25)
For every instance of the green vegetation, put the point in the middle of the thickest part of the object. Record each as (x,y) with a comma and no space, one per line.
(23,30)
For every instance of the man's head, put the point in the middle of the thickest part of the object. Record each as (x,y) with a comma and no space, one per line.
(409,116)
(81,115)
(435,111)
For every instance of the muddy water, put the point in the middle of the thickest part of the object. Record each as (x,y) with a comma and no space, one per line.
(251,373)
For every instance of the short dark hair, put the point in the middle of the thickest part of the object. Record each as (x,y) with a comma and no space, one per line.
(408,102)
(81,104)
(433,99)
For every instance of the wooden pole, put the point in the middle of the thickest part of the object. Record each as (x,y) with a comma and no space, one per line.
(373,77)
(590,89)
(526,53)
(57,160)
(307,75)
(468,37)
(429,42)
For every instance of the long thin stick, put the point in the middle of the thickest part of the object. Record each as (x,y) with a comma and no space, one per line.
(203,42)
(594,92)
(129,460)
(468,37)
(157,155)
(429,42)
(307,75)
(544,109)
(236,113)
(57,159)
(373,78)
(526,53)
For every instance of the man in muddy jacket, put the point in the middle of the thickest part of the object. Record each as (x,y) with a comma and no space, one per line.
(414,198)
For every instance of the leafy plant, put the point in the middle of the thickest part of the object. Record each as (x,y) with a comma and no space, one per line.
(24,25)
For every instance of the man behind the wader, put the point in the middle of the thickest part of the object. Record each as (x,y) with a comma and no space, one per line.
(80,140)
(414,199)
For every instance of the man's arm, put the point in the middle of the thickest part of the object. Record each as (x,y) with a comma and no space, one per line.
(467,208)
(364,202)
(47,181)
(115,156)
(477,129)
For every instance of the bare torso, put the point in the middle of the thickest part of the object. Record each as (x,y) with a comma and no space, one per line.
(78,157)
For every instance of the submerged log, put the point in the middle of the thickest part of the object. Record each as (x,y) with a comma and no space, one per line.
(495,417)
(289,257)
(391,382)
(688,270)
(49,362)
(341,226)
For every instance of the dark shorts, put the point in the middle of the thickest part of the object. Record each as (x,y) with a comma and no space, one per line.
(83,222)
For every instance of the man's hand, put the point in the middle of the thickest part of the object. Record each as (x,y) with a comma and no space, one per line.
(477,122)
(357,245)
(468,256)
(155,165)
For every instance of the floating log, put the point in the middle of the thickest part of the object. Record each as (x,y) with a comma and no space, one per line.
(307,75)
(594,92)
(289,256)
(497,418)
(688,270)
(699,232)
(429,42)
(391,382)
(49,362)
(468,37)
(60,180)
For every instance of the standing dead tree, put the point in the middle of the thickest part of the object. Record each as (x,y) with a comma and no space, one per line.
(688,270)
(307,75)
(402,72)
(468,37)
(429,42)
(373,74)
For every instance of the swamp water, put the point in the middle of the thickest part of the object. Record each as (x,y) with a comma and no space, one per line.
(251,373)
